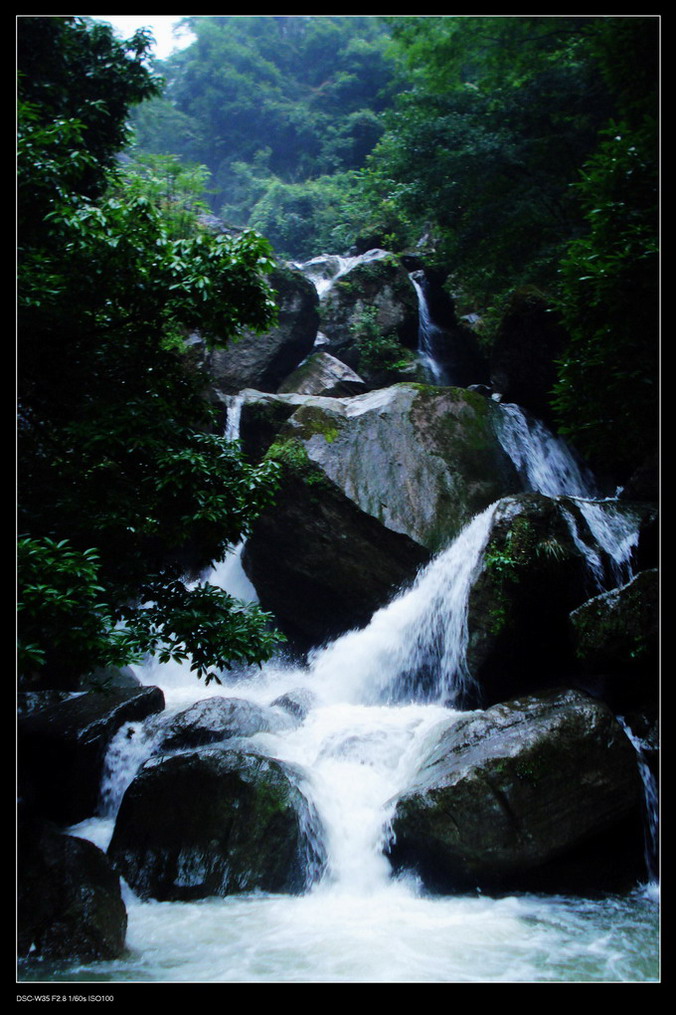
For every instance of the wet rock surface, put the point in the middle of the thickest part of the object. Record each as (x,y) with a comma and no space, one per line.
(69,901)
(507,796)
(215,822)
(263,360)
(62,747)
(211,720)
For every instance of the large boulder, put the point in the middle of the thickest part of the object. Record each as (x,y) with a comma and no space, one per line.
(213,720)
(529,340)
(261,417)
(421,460)
(535,568)
(369,319)
(320,564)
(538,792)
(62,749)
(298,702)
(215,821)
(69,902)
(374,485)
(263,360)
(323,374)
(615,639)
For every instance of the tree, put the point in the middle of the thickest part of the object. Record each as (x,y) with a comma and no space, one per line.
(494,119)
(126,492)
(177,189)
(269,102)
(526,146)
(608,379)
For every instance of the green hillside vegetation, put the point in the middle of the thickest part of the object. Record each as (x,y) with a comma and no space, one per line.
(282,110)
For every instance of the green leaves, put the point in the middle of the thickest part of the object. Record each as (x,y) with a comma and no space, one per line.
(117,449)
(608,379)
(206,625)
(66,621)
(64,618)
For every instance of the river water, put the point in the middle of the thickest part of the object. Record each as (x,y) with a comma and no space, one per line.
(359,746)
(359,923)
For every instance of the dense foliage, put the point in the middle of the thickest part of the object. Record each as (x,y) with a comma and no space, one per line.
(281,109)
(608,380)
(524,150)
(124,487)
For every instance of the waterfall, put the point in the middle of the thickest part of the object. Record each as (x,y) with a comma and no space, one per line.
(650,803)
(233,417)
(414,648)
(427,332)
(357,758)
(228,573)
(325,270)
(547,465)
(131,746)
(378,697)
(412,655)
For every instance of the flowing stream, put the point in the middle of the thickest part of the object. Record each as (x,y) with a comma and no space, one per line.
(427,332)
(360,745)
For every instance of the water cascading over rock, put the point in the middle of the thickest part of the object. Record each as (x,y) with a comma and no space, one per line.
(427,547)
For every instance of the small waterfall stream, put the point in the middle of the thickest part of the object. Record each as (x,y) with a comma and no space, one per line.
(427,330)
(547,465)
(360,745)
(325,270)
(651,804)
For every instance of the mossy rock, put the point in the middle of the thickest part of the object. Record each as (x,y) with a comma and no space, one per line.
(215,821)
(533,573)
(526,794)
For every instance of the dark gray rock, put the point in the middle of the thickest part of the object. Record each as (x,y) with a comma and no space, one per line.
(321,565)
(529,340)
(69,903)
(34,701)
(422,460)
(110,678)
(644,483)
(533,573)
(296,702)
(323,374)
(212,720)
(452,344)
(369,318)
(262,361)
(215,822)
(262,416)
(374,485)
(508,797)
(61,749)
(615,639)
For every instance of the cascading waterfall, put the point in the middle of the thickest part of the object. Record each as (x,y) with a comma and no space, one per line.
(233,417)
(413,649)
(378,694)
(228,573)
(427,330)
(547,465)
(323,271)
(651,803)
